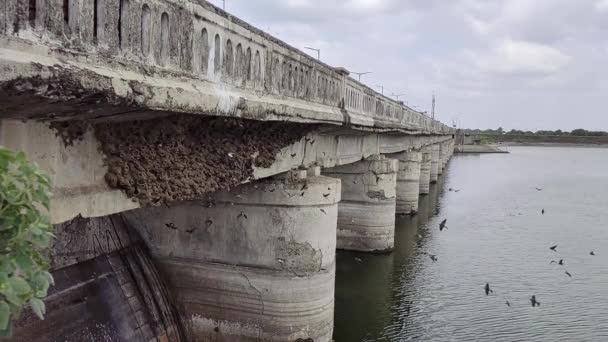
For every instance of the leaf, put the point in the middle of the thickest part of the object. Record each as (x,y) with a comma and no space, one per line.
(5,314)
(38,307)
(19,285)
(8,332)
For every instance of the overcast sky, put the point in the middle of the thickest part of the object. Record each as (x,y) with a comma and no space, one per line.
(524,64)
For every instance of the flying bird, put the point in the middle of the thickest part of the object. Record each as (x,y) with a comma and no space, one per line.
(534,301)
(592,253)
(488,290)
(507,302)
(433,257)
(543,211)
(539,189)
(553,248)
(560,262)
(442,225)
(568,274)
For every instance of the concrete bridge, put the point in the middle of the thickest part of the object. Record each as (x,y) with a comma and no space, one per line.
(204,171)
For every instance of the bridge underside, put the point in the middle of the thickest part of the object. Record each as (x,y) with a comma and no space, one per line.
(203,172)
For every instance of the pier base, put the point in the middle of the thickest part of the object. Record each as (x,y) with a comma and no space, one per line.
(425,171)
(253,264)
(366,216)
(408,182)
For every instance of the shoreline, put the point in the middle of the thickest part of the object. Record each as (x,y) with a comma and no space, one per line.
(552,144)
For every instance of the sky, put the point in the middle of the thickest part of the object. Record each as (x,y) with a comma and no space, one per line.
(518,64)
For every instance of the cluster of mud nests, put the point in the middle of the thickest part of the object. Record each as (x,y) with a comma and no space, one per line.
(184,156)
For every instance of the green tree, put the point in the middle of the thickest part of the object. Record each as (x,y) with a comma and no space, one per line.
(25,236)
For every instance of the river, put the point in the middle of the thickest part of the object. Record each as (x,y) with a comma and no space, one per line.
(497,235)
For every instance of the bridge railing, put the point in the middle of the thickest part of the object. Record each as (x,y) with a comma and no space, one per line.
(198,40)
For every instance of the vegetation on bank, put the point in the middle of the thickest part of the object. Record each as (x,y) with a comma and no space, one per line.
(576,133)
(25,237)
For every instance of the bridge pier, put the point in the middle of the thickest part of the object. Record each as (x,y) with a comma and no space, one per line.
(434,162)
(366,214)
(408,182)
(255,263)
(425,171)
(443,149)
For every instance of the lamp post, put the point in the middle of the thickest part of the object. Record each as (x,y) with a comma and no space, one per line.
(317,50)
(361,73)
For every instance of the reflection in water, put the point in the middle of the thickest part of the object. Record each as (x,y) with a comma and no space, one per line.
(370,291)
(497,234)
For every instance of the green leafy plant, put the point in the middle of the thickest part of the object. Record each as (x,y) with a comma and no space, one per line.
(25,236)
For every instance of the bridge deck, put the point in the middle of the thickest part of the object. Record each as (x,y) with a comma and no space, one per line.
(66,59)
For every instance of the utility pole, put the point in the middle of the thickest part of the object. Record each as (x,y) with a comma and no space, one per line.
(361,73)
(433,108)
(381,87)
(397,95)
(317,50)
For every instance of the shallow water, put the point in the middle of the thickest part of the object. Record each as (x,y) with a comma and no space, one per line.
(496,234)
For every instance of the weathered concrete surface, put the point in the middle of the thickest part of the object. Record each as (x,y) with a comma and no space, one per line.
(256,263)
(408,181)
(434,163)
(118,59)
(366,215)
(425,171)
(106,289)
(443,151)
(78,171)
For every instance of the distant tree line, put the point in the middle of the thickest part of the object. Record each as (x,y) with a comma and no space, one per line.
(576,132)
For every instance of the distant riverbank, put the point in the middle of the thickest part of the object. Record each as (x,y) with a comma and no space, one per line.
(544,140)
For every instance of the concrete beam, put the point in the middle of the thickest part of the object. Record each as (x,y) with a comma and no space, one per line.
(78,171)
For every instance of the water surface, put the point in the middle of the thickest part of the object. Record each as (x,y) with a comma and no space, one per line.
(496,234)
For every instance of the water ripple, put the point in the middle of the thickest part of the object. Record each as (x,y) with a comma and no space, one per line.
(496,234)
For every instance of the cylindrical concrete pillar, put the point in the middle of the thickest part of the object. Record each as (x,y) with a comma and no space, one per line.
(408,182)
(366,214)
(434,163)
(425,171)
(441,159)
(253,264)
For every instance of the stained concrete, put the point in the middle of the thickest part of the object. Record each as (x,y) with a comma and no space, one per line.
(366,216)
(425,171)
(434,163)
(78,171)
(408,181)
(106,289)
(255,263)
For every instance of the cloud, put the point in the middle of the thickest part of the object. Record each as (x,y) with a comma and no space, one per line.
(482,58)
(516,57)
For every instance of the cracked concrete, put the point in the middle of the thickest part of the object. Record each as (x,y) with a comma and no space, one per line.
(269,254)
